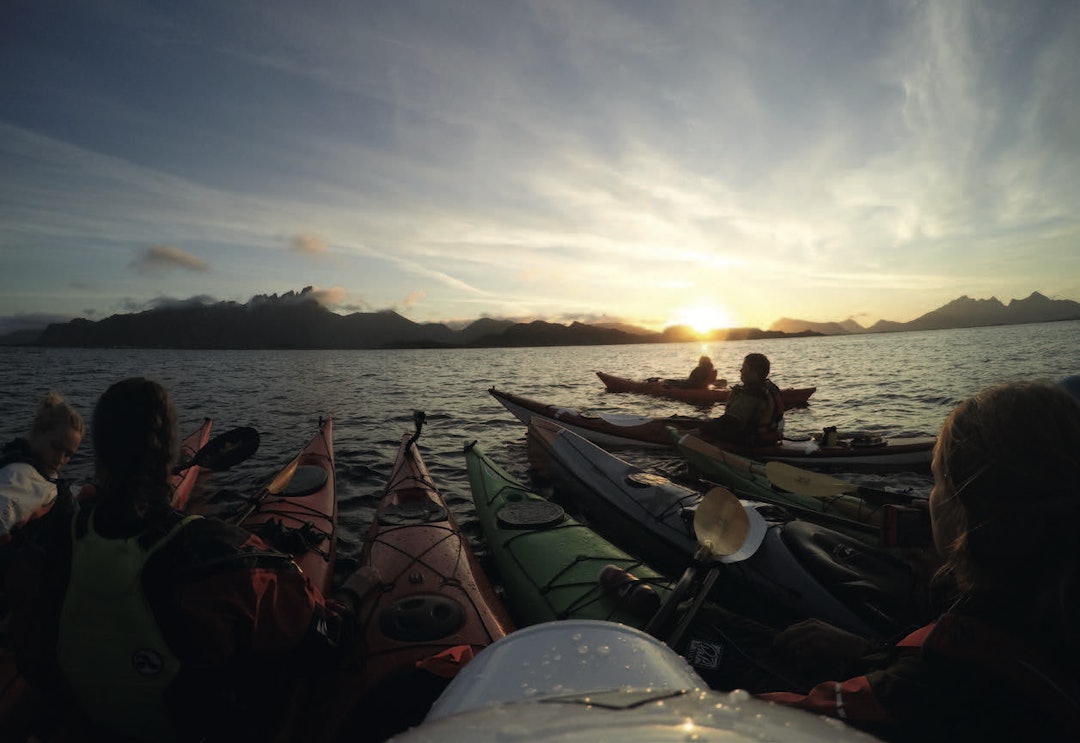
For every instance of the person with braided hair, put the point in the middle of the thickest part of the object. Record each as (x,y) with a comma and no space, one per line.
(1001,663)
(153,624)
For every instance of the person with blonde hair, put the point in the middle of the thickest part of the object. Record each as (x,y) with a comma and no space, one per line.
(146,623)
(1001,664)
(30,467)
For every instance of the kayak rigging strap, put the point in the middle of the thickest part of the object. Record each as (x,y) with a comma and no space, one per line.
(413,512)
(414,557)
(409,481)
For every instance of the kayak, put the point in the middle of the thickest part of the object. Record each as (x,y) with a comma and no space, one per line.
(862,517)
(605,429)
(589,680)
(554,568)
(297,511)
(184,481)
(433,610)
(547,562)
(798,570)
(627,430)
(793,397)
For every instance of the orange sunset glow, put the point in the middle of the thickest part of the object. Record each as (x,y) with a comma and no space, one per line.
(702,318)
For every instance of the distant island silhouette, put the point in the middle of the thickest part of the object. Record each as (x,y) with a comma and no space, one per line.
(295,320)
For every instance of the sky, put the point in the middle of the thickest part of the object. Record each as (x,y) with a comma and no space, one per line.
(707,162)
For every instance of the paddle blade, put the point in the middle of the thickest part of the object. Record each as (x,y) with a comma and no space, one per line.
(720,523)
(816,485)
(803,482)
(727,529)
(225,450)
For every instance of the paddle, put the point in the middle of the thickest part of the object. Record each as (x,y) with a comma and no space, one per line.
(224,450)
(858,529)
(816,485)
(726,532)
(791,478)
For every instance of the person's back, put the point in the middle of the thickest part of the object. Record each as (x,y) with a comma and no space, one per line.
(129,600)
(1001,664)
(702,375)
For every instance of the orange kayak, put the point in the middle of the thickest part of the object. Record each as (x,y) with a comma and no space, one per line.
(297,511)
(184,481)
(433,610)
(794,397)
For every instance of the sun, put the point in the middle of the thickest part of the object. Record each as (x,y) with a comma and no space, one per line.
(702,318)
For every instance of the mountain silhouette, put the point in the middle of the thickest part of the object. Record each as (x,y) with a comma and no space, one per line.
(297,321)
(963,312)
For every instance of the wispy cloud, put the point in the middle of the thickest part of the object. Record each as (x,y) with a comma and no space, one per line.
(166,258)
(308,244)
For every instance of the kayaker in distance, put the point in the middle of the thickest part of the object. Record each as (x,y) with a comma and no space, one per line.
(30,467)
(1001,663)
(133,620)
(754,413)
(701,377)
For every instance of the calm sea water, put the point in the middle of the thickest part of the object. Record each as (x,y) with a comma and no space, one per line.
(891,384)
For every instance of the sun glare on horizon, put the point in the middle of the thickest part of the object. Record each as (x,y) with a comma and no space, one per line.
(705,317)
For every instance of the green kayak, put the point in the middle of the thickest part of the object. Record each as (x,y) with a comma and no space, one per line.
(549,567)
(548,563)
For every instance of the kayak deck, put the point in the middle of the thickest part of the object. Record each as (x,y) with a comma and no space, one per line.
(793,397)
(297,512)
(433,609)
(547,562)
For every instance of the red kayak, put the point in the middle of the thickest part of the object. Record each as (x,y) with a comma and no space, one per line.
(433,610)
(184,481)
(793,397)
(297,511)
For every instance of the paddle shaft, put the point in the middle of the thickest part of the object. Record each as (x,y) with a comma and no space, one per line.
(657,626)
(841,523)
(690,614)
(817,485)
(279,483)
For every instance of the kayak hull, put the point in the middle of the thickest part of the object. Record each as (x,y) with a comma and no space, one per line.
(297,511)
(619,431)
(184,482)
(869,592)
(793,397)
(864,518)
(847,513)
(547,562)
(586,681)
(605,430)
(433,609)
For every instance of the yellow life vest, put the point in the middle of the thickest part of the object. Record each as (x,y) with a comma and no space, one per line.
(109,646)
